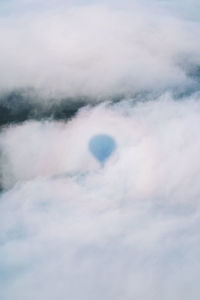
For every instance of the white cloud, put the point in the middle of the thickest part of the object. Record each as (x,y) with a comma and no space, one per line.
(70,229)
(97,51)
(103,233)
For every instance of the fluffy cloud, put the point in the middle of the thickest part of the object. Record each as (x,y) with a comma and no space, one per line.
(97,51)
(70,229)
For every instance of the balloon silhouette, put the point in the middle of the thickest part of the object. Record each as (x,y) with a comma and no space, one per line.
(102,146)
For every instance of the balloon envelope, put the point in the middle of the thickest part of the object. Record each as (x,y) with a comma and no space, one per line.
(102,146)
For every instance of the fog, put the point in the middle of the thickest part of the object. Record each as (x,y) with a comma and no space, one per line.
(71,228)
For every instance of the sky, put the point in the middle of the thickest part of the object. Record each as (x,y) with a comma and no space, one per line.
(71,228)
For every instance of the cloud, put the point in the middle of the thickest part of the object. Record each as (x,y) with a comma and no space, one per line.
(70,229)
(97,51)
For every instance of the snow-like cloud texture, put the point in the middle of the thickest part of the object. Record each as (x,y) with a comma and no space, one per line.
(70,228)
(97,51)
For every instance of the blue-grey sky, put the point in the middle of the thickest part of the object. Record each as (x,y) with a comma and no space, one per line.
(188,8)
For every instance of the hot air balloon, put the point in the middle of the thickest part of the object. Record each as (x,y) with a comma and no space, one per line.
(102,146)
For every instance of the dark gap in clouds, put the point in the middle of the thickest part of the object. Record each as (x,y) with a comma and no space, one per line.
(194,72)
(22,105)
(17,107)
(25,104)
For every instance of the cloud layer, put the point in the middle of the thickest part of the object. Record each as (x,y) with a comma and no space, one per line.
(70,229)
(97,51)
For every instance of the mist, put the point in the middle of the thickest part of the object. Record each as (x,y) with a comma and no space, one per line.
(70,227)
